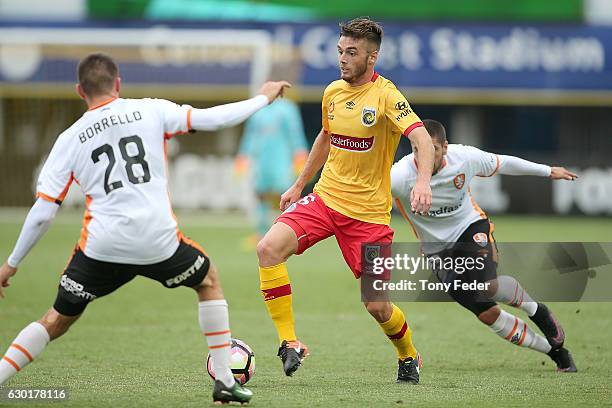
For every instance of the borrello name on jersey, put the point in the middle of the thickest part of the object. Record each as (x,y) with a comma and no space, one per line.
(364,124)
(116,153)
(453,208)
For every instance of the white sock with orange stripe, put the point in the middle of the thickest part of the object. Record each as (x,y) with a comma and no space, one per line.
(517,332)
(510,292)
(214,323)
(28,344)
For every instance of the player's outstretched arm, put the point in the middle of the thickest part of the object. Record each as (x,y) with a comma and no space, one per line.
(231,114)
(316,159)
(420,196)
(35,225)
(515,166)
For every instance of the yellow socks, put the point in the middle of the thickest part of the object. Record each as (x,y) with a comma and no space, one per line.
(396,328)
(276,290)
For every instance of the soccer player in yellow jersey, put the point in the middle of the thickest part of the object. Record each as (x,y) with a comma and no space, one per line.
(364,116)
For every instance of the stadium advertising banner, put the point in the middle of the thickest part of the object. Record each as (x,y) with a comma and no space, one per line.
(565,59)
(487,56)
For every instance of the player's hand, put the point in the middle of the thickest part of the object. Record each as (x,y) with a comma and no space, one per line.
(6,272)
(561,173)
(290,196)
(274,89)
(420,197)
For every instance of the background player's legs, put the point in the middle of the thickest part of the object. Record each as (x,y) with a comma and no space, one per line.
(276,246)
(32,340)
(393,322)
(214,323)
(508,290)
(264,214)
(513,329)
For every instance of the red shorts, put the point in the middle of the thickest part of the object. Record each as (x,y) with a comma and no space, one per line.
(312,221)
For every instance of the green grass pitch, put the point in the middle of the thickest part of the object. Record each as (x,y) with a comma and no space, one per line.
(141,346)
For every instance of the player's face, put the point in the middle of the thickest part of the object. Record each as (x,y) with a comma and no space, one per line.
(355,57)
(440,149)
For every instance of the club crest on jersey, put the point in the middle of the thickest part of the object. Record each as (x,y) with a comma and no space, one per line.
(368,116)
(459,181)
(331,107)
(481,239)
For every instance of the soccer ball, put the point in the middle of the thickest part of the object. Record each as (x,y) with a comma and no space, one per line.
(242,362)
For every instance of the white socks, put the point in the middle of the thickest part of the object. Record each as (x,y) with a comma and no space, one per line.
(28,344)
(510,292)
(214,323)
(517,332)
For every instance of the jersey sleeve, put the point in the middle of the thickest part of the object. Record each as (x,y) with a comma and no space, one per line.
(484,164)
(399,112)
(56,175)
(176,118)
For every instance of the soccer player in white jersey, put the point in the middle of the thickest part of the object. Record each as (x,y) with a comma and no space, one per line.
(456,226)
(116,152)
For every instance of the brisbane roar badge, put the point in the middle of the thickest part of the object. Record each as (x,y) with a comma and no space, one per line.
(368,116)
(481,239)
(459,181)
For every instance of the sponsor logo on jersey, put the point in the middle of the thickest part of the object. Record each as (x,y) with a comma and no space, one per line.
(443,210)
(75,288)
(481,239)
(401,105)
(405,113)
(353,144)
(459,181)
(368,116)
(187,274)
(350,105)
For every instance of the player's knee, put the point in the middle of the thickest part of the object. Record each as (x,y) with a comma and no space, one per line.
(211,280)
(277,245)
(268,252)
(490,315)
(210,288)
(381,311)
(491,290)
(56,323)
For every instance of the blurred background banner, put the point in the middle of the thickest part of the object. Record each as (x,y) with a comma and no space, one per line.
(522,77)
(440,62)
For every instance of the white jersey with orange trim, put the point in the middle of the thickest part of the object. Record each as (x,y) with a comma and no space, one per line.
(453,208)
(116,153)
